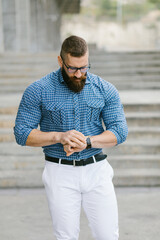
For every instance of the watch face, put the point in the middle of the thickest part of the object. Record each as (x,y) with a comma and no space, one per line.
(88,142)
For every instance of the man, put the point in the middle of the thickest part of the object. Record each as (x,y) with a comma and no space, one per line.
(69,105)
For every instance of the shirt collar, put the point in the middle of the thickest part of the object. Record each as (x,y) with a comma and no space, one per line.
(62,80)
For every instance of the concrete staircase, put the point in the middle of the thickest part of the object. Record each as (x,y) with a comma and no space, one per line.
(136,162)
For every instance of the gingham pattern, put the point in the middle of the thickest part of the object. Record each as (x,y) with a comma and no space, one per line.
(49,103)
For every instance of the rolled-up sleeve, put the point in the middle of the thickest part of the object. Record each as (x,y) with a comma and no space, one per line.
(29,113)
(113,114)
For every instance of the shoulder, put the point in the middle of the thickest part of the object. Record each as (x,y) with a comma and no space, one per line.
(107,89)
(42,84)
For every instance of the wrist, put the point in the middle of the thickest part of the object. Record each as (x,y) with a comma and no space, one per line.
(88,142)
(57,137)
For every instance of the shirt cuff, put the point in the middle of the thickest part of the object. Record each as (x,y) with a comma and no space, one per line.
(116,134)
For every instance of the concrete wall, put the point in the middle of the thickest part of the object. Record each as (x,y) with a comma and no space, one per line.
(22,8)
(45,23)
(33,25)
(29,25)
(1,29)
(111,36)
(9,24)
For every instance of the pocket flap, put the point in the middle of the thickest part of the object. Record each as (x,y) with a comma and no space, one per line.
(55,106)
(95,103)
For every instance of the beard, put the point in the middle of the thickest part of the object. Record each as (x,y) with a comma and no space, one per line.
(72,83)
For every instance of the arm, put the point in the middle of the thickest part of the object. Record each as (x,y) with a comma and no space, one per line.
(114,120)
(103,140)
(38,138)
(28,118)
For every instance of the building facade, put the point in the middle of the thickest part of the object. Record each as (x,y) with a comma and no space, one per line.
(33,25)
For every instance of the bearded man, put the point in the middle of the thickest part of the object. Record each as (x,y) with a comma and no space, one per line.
(69,106)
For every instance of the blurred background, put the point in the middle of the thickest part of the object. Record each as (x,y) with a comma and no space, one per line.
(124,44)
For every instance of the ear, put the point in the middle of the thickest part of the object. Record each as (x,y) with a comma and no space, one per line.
(60,62)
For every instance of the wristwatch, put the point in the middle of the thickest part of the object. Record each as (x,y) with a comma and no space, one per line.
(88,141)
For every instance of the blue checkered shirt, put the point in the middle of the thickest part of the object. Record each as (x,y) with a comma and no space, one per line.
(50,104)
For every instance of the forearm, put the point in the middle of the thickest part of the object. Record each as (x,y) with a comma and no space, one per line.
(104,140)
(38,138)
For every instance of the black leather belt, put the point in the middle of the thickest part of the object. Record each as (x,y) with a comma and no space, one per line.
(98,157)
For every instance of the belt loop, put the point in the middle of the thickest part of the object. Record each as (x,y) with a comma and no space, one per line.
(60,160)
(74,163)
(94,159)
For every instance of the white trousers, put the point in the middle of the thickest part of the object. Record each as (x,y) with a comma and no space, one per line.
(68,188)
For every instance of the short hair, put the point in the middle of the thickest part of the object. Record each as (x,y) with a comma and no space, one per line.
(75,46)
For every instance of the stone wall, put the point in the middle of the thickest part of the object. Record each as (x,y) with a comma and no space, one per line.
(32,25)
(111,36)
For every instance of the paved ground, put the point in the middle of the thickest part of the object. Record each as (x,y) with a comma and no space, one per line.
(24,215)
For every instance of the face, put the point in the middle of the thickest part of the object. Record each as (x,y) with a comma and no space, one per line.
(75,81)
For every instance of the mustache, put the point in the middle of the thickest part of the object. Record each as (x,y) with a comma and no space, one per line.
(72,83)
(81,78)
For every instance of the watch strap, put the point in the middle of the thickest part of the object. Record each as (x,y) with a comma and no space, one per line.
(88,141)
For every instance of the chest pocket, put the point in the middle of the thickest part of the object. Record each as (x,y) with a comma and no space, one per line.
(56,112)
(94,108)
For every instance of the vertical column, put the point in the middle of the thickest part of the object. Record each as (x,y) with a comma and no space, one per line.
(9,24)
(1,30)
(22,25)
(53,23)
(45,25)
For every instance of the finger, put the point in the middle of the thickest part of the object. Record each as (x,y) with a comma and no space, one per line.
(67,148)
(74,142)
(79,136)
(70,153)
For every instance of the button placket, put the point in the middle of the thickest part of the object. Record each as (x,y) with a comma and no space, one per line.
(76,112)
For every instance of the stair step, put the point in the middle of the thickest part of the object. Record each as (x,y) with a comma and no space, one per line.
(14,89)
(141,107)
(10,100)
(133,119)
(19,88)
(8,110)
(129,147)
(15,82)
(21,162)
(126,71)
(135,161)
(139,133)
(13,162)
(143,118)
(6,135)
(135,146)
(137,177)
(129,177)
(111,78)
(137,86)
(136,77)
(144,133)
(13,149)
(105,72)
(21,178)
(128,56)
(96,64)
(7,121)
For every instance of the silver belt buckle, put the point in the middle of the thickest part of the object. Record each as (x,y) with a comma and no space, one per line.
(74,163)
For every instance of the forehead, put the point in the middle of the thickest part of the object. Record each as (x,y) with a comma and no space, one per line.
(77,61)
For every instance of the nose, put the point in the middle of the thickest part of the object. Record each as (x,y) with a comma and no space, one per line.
(78,73)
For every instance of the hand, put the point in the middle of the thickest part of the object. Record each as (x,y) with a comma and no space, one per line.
(73,141)
(70,150)
(73,138)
